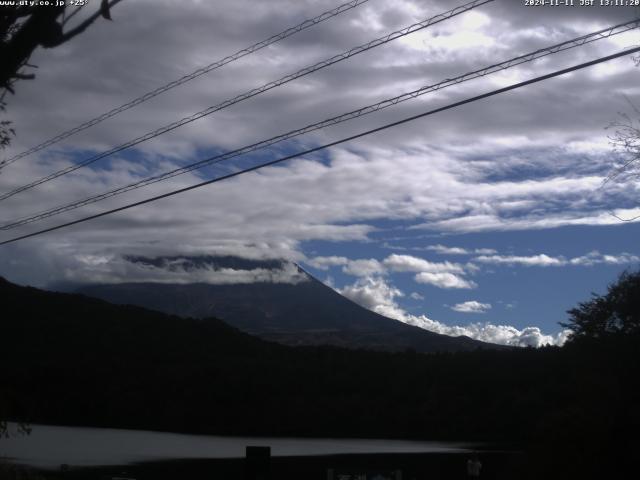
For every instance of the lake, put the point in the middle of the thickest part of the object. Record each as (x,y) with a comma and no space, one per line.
(49,446)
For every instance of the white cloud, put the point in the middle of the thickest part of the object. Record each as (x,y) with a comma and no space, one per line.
(471,267)
(595,258)
(444,250)
(444,280)
(409,263)
(363,267)
(471,306)
(416,296)
(323,263)
(481,222)
(286,206)
(438,274)
(484,251)
(488,332)
(377,295)
(620,259)
(359,267)
(541,260)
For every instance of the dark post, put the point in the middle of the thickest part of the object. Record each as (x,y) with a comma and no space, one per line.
(257,464)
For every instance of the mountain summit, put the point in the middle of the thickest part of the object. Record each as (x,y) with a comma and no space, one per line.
(273,299)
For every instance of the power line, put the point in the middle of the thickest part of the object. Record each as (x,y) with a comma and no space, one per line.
(186,78)
(256,91)
(331,144)
(592,37)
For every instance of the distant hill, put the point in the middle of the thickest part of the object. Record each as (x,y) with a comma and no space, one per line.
(303,313)
(68,359)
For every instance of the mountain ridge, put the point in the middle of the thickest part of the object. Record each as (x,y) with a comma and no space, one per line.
(302,313)
(68,359)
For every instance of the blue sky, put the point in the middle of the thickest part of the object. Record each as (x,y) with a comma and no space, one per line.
(518,295)
(515,183)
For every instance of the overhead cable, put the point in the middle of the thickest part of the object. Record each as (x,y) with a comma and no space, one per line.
(598,35)
(256,91)
(328,145)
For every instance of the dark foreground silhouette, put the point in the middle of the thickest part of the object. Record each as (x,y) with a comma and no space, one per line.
(71,360)
(499,466)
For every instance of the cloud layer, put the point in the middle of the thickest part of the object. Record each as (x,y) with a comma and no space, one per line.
(534,159)
(466,185)
(542,260)
(377,295)
(446,275)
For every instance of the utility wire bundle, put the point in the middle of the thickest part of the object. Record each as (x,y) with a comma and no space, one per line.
(187,78)
(582,40)
(254,92)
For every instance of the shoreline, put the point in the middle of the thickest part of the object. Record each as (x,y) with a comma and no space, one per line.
(497,465)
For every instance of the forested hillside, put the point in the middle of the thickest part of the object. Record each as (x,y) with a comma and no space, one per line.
(68,359)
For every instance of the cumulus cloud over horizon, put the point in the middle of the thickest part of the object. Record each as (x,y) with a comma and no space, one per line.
(445,275)
(488,332)
(377,295)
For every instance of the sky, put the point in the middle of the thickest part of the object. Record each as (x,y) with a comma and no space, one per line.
(491,219)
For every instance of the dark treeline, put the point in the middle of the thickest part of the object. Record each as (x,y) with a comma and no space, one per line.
(71,360)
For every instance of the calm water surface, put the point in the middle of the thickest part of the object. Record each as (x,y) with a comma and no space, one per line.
(50,446)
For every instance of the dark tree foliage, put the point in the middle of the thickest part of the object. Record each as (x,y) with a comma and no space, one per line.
(23,28)
(626,141)
(616,312)
(6,132)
